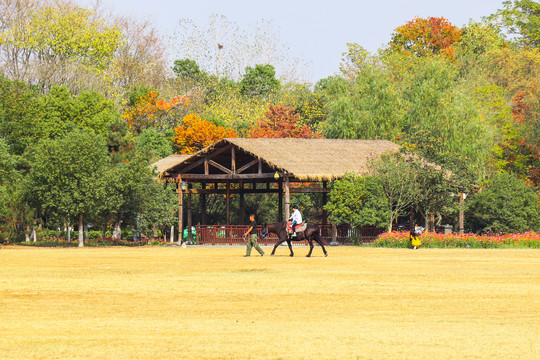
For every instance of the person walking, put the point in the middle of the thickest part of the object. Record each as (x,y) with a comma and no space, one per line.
(252,240)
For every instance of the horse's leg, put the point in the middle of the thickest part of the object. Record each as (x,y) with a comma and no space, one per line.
(290,246)
(310,246)
(318,239)
(279,242)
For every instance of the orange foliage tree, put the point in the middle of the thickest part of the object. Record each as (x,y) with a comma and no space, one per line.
(431,36)
(151,112)
(526,114)
(196,134)
(281,122)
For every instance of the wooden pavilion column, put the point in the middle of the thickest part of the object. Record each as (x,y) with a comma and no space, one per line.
(324,200)
(180,209)
(203,205)
(242,210)
(286,191)
(189,217)
(228,201)
(280,195)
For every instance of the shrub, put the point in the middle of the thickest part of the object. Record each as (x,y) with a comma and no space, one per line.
(434,240)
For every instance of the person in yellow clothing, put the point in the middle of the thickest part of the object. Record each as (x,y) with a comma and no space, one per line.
(415,236)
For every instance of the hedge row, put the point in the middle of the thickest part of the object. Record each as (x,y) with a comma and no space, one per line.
(435,240)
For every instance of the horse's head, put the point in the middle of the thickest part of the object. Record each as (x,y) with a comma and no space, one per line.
(264,231)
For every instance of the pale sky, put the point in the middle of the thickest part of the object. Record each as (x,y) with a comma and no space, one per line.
(315,31)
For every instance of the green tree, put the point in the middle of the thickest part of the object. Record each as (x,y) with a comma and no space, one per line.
(505,205)
(159,209)
(398,178)
(259,81)
(67,181)
(154,145)
(18,108)
(358,201)
(60,112)
(187,68)
(521,18)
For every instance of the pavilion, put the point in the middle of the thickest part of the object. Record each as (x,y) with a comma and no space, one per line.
(276,163)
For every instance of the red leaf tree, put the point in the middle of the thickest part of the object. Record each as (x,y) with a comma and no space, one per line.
(281,122)
(434,35)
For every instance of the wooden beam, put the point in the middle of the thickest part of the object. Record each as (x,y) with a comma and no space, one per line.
(189,217)
(233,160)
(287,197)
(228,200)
(220,167)
(257,191)
(203,204)
(180,210)
(207,157)
(280,201)
(225,177)
(247,166)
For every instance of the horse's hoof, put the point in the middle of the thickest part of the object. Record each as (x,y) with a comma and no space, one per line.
(326,254)
(308,255)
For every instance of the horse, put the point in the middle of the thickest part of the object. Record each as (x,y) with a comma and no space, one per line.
(312,233)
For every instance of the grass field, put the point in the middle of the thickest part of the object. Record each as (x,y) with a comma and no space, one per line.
(212,303)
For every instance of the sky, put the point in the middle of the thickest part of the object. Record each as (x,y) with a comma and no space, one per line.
(315,31)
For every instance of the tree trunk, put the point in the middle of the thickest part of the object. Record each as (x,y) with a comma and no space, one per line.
(33,234)
(103,232)
(27,235)
(172,233)
(69,233)
(87,238)
(81,231)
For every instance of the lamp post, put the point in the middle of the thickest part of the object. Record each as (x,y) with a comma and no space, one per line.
(183,187)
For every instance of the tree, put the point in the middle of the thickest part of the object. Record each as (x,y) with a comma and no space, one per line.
(67,179)
(421,37)
(187,68)
(521,18)
(48,44)
(154,145)
(505,205)
(259,81)
(159,209)
(281,122)
(358,201)
(18,109)
(148,111)
(195,134)
(398,179)
(364,105)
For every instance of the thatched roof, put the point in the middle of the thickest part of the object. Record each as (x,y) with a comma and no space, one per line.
(303,159)
(168,162)
(317,159)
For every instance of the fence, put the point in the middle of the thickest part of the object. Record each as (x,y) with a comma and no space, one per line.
(234,235)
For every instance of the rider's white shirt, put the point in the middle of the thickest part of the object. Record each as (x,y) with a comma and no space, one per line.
(296,216)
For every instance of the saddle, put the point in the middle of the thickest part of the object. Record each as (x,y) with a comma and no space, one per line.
(299,227)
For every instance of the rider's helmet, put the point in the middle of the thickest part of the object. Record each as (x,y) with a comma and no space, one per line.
(295,207)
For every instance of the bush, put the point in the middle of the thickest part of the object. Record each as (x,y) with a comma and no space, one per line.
(506,205)
(434,240)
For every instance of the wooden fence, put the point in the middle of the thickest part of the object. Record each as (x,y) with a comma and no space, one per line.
(234,235)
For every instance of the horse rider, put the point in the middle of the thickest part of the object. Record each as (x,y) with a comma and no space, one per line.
(296,218)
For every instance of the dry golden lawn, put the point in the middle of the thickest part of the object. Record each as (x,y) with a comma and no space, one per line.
(212,303)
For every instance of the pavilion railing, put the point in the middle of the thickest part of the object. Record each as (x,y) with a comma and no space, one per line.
(234,235)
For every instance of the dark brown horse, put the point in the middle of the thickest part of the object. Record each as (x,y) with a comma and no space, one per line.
(312,233)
